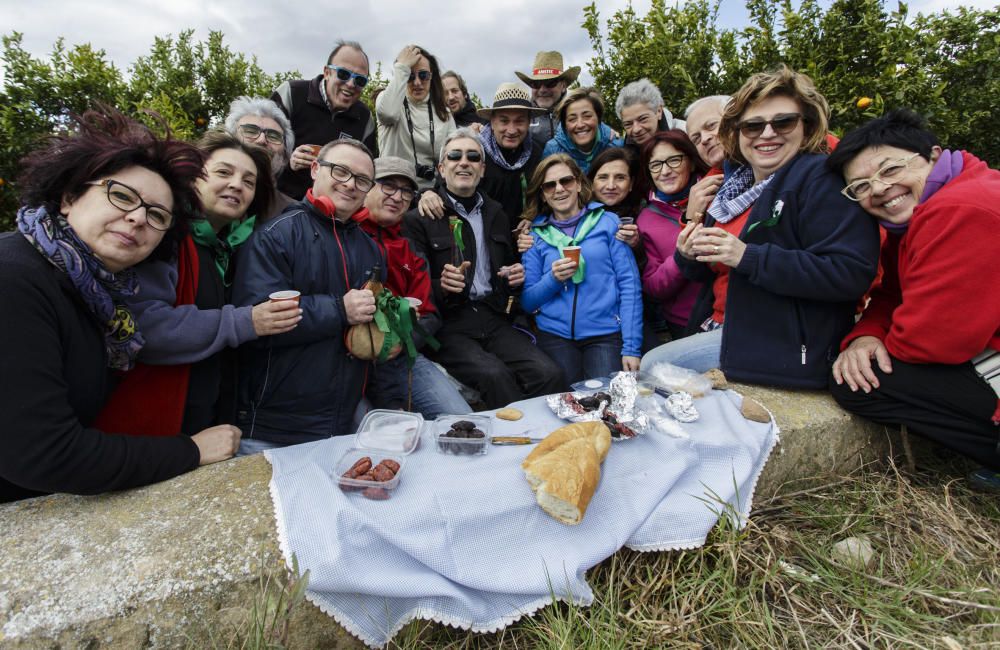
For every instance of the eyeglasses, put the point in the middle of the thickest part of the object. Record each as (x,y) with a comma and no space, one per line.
(551,83)
(252,132)
(423,75)
(781,124)
(343,174)
(673,162)
(345,75)
(389,189)
(887,175)
(127,199)
(472,156)
(565,181)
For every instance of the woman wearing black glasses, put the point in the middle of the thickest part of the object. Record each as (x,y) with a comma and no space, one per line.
(581,281)
(926,352)
(96,202)
(413,119)
(784,255)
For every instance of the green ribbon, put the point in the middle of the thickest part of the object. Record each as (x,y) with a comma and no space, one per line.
(456,231)
(397,319)
(224,243)
(771,221)
(556,238)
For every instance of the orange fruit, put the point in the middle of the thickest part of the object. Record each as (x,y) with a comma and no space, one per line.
(864,103)
(200,121)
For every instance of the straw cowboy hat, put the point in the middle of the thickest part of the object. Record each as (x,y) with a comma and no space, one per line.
(510,96)
(549,66)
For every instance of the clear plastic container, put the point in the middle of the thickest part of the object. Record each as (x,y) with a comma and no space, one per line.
(449,444)
(394,431)
(370,489)
(382,435)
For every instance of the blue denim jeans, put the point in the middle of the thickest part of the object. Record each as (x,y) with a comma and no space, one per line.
(433,393)
(250,446)
(699,352)
(597,356)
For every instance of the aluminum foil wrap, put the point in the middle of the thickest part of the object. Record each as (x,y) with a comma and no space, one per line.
(681,406)
(565,407)
(624,390)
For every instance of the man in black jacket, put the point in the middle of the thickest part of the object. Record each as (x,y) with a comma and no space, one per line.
(456,96)
(548,80)
(302,385)
(323,109)
(475,275)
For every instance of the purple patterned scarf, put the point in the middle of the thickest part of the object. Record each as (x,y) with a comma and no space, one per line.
(101,290)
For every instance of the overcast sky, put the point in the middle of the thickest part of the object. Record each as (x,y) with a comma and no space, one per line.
(484,41)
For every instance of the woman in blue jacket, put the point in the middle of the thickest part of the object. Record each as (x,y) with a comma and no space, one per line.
(589,314)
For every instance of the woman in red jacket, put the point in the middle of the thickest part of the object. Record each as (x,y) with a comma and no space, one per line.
(924,353)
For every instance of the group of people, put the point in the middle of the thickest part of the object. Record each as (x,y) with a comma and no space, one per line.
(169,304)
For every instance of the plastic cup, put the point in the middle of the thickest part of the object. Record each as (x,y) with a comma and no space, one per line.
(572,252)
(289,294)
(414,302)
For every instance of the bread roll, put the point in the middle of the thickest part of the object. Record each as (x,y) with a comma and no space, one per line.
(565,468)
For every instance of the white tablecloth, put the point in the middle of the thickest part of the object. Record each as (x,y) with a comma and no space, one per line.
(462,541)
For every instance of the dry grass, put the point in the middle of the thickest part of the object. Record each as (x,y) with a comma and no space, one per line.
(932,584)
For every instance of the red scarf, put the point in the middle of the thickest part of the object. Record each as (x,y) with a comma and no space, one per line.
(150,400)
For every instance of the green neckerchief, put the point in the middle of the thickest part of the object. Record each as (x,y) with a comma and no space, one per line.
(556,238)
(397,319)
(223,244)
(456,230)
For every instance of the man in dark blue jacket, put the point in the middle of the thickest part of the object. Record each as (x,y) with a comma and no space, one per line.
(303,385)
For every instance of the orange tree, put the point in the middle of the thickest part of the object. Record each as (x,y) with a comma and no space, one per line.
(189,83)
(945,65)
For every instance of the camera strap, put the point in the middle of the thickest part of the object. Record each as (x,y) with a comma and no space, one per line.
(409,125)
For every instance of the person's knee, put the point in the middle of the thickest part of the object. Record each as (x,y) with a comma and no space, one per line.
(850,400)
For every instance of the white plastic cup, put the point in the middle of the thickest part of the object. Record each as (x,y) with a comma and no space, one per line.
(414,302)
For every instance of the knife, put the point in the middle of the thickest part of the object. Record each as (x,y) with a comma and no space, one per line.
(514,440)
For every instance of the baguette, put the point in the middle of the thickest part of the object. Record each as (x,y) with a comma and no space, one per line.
(565,468)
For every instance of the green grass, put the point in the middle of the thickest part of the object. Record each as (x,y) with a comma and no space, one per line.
(932,584)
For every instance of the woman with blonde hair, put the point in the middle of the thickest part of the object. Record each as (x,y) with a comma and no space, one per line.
(581,281)
(784,255)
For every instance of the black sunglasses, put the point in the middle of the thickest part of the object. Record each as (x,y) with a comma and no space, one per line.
(345,75)
(471,156)
(781,124)
(565,181)
(424,75)
(551,83)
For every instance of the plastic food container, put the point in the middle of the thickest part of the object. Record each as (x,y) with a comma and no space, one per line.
(448,443)
(383,436)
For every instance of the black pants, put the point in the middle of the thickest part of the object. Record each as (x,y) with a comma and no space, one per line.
(950,405)
(482,350)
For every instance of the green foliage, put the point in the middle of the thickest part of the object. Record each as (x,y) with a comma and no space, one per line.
(944,65)
(190,84)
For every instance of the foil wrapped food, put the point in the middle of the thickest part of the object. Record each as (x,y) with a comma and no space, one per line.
(681,406)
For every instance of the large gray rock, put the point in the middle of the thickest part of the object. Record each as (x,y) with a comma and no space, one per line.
(180,563)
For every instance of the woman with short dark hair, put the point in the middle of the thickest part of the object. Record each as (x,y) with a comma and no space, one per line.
(97,201)
(926,352)
(671,166)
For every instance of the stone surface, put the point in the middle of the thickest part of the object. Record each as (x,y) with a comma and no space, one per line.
(180,563)
(855,552)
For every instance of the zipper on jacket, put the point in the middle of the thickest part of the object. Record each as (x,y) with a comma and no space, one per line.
(802,330)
